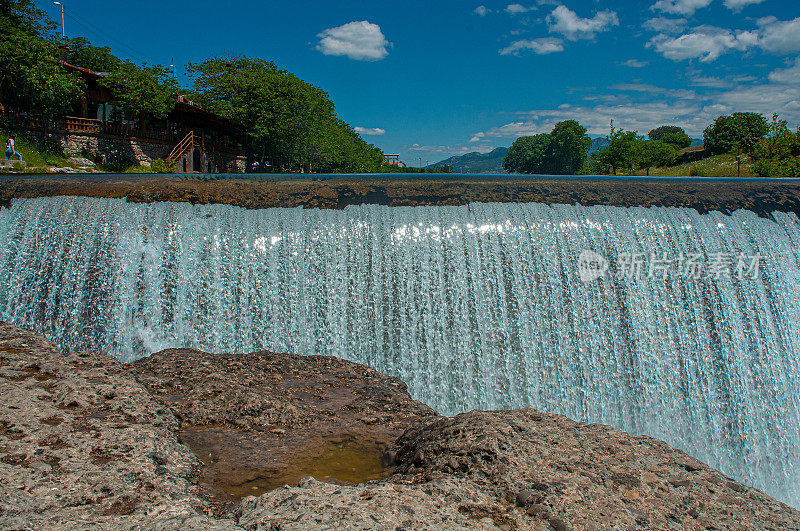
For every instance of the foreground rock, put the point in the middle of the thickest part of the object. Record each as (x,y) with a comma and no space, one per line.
(261,420)
(85,441)
(82,443)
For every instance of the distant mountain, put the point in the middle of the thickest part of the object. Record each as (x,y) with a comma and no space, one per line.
(475,162)
(598,144)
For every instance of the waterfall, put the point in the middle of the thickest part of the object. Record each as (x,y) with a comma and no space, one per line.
(479,306)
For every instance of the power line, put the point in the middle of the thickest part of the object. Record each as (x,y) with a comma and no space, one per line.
(136,54)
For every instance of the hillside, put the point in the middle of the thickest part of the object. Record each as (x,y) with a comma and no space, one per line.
(475,162)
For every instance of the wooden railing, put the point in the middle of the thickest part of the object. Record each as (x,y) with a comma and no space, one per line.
(182,147)
(83,125)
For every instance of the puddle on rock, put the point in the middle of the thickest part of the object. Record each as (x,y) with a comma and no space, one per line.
(239,464)
(338,463)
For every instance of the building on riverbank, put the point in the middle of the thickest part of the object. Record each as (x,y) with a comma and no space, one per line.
(194,139)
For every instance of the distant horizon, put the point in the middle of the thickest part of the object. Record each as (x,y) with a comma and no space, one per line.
(429,81)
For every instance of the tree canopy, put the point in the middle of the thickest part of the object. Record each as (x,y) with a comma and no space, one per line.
(741,130)
(561,152)
(671,134)
(286,119)
(30,76)
(627,150)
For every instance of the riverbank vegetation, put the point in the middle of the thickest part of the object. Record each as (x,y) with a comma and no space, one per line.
(286,121)
(742,144)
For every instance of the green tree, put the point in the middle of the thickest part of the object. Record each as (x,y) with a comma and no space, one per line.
(741,130)
(30,76)
(288,121)
(528,154)
(623,151)
(561,152)
(655,153)
(569,146)
(671,134)
(146,91)
(96,58)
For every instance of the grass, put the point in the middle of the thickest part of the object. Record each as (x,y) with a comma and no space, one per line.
(36,156)
(716,166)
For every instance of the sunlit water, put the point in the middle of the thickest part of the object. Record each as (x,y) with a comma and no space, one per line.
(478,306)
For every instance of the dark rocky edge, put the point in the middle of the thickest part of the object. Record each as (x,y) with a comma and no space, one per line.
(762,196)
(87,442)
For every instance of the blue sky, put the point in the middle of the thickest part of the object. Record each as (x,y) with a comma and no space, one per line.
(432,79)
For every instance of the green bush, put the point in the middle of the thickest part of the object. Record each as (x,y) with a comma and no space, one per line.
(789,167)
(162,166)
(762,168)
(697,171)
(156,166)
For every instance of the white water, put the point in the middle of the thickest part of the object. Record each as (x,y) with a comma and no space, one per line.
(474,307)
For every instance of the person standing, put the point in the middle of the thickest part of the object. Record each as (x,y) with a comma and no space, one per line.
(11,148)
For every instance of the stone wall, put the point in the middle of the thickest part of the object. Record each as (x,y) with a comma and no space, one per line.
(116,151)
(113,150)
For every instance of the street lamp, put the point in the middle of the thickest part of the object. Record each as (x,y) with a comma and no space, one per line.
(63,35)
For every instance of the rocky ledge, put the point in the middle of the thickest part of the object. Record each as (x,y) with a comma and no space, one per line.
(181,439)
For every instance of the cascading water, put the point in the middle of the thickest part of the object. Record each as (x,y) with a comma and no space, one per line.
(479,306)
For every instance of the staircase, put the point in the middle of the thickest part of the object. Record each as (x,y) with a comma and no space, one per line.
(189,141)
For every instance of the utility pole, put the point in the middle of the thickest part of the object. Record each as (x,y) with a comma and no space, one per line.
(174,72)
(63,34)
(738,160)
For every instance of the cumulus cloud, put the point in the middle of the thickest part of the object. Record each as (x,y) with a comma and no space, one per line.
(635,63)
(787,75)
(780,36)
(481,11)
(738,5)
(516,9)
(706,43)
(362,41)
(370,131)
(458,149)
(681,94)
(566,22)
(538,46)
(681,7)
(666,25)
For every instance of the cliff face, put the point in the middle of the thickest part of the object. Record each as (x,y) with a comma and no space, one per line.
(180,439)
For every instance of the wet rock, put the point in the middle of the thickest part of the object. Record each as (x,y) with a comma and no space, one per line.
(105,449)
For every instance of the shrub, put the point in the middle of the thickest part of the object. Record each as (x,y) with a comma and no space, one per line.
(789,167)
(762,168)
(162,166)
(697,171)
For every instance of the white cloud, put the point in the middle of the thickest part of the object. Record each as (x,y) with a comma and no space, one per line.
(787,75)
(635,63)
(459,149)
(362,41)
(680,7)
(516,9)
(566,22)
(780,36)
(681,94)
(538,46)
(374,131)
(657,106)
(665,25)
(738,5)
(706,43)
(481,11)
(725,82)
